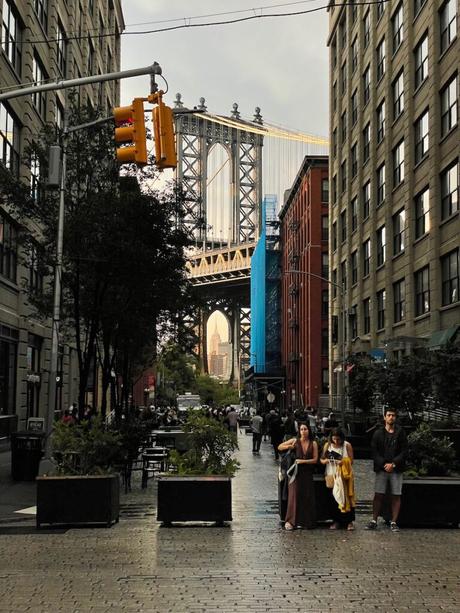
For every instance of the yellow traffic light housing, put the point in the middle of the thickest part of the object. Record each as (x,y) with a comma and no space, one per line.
(133,131)
(163,127)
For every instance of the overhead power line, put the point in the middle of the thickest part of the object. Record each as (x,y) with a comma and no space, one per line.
(187,23)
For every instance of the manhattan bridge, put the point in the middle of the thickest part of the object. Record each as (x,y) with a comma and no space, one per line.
(227,165)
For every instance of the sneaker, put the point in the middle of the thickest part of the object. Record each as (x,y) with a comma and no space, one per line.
(394,526)
(372,525)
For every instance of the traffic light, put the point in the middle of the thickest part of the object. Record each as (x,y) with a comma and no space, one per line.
(134,132)
(163,126)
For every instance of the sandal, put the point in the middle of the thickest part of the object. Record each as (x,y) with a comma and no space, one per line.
(334,526)
(350,527)
(288,526)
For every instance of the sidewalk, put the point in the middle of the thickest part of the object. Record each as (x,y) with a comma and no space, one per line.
(250,565)
(14,495)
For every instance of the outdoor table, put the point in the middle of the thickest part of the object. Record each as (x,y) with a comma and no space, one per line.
(177,438)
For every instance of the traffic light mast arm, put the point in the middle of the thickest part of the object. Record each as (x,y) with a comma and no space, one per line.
(154,69)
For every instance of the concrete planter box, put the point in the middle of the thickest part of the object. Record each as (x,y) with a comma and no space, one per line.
(428,502)
(69,500)
(194,498)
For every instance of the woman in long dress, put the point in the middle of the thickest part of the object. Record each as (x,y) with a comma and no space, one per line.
(301,491)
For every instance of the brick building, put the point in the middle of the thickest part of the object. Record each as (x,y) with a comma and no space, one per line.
(304,295)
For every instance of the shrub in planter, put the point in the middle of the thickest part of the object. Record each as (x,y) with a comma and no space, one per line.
(201,488)
(429,455)
(84,488)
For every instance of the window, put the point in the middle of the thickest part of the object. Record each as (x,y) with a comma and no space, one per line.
(324,342)
(366,257)
(354,55)
(324,228)
(334,96)
(366,315)
(421,61)
(11,35)
(380,8)
(366,142)
(448,23)
(418,5)
(353,322)
(449,191)
(343,122)
(343,174)
(35,177)
(422,218)
(381,246)
(343,226)
(334,236)
(421,137)
(380,59)
(380,185)
(343,78)
(398,95)
(325,303)
(334,283)
(449,106)
(35,280)
(41,8)
(366,196)
(334,189)
(422,291)
(397,28)
(381,298)
(398,164)
(61,49)
(325,190)
(334,53)
(325,380)
(399,301)
(8,249)
(450,277)
(343,33)
(366,29)
(354,11)
(367,85)
(354,214)
(380,121)
(399,226)
(59,118)
(325,265)
(334,143)
(91,7)
(354,267)
(9,141)
(343,275)
(354,161)
(39,98)
(90,57)
(354,107)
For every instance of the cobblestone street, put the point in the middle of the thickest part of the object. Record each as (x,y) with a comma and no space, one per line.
(249,565)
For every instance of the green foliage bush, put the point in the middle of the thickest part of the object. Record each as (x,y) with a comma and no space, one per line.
(211,448)
(85,449)
(429,455)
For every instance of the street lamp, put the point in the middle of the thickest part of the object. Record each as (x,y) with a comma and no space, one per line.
(342,295)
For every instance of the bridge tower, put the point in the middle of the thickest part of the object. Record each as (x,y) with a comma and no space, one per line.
(223,273)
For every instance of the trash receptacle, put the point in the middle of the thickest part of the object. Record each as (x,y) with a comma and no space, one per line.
(26,453)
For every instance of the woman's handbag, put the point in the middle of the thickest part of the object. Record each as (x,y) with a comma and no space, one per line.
(329,481)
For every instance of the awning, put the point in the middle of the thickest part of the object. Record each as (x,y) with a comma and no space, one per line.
(442,337)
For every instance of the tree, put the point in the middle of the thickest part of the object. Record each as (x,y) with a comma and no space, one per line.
(362,383)
(406,384)
(445,375)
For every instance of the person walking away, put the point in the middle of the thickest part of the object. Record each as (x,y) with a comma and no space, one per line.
(330,423)
(312,419)
(232,419)
(276,432)
(301,490)
(389,451)
(337,457)
(256,425)
(290,428)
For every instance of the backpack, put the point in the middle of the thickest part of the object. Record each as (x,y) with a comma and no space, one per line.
(286,461)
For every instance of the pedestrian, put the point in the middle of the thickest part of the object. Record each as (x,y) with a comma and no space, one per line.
(301,490)
(256,425)
(337,457)
(276,432)
(389,450)
(232,420)
(330,423)
(290,426)
(312,419)
(67,418)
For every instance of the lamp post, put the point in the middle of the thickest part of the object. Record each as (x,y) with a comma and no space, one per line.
(342,295)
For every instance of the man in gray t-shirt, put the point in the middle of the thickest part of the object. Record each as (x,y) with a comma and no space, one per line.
(256,425)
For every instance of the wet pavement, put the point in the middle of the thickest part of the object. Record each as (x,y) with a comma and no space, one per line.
(251,564)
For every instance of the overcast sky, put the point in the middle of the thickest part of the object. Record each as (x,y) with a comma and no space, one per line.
(279,64)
